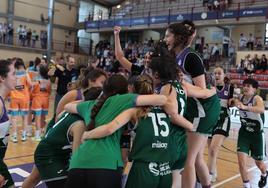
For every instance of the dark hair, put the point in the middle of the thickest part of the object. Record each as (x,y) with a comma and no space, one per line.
(19,63)
(31,63)
(116,84)
(132,79)
(252,82)
(4,67)
(92,93)
(37,61)
(43,70)
(165,66)
(90,74)
(182,32)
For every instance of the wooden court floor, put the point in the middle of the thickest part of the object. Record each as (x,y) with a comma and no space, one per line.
(228,171)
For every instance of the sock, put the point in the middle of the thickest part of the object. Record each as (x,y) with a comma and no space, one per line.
(264,174)
(246,184)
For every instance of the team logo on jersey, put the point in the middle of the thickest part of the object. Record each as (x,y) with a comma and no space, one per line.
(226,93)
(153,169)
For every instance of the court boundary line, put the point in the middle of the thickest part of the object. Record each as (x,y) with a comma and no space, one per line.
(22,156)
(234,177)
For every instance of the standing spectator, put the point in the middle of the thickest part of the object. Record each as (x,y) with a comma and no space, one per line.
(24,35)
(43,38)
(65,76)
(198,45)
(251,41)
(259,45)
(34,38)
(242,42)
(19,33)
(206,56)
(225,44)
(215,53)
(4,32)
(10,31)
(29,37)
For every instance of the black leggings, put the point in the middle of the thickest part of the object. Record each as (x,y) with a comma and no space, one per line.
(94,178)
(56,183)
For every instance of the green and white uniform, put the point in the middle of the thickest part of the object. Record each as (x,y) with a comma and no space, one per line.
(102,153)
(178,134)
(251,139)
(150,152)
(53,153)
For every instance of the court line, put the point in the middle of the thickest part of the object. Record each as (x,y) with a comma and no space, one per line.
(18,157)
(234,177)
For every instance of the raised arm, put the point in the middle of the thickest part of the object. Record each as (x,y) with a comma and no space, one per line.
(119,54)
(105,130)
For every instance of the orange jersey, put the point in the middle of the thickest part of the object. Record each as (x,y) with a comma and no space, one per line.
(41,88)
(21,90)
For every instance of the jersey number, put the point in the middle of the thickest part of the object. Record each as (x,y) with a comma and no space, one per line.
(159,118)
(182,106)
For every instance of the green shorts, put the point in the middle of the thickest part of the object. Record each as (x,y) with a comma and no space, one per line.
(54,170)
(253,144)
(3,167)
(151,175)
(203,113)
(178,150)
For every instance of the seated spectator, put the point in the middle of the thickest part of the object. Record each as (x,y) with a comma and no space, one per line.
(237,91)
(242,42)
(259,45)
(263,63)
(240,67)
(255,61)
(248,65)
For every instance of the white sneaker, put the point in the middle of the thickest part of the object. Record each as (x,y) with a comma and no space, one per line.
(213,178)
(14,138)
(37,136)
(23,136)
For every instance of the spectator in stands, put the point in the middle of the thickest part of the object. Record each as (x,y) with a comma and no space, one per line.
(29,37)
(10,31)
(255,61)
(259,45)
(19,33)
(263,63)
(24,35)
(34,38)
(4,33)
(198,44)
(237,91)
(215,52)
(251,41)
(43,38)
(206,56)
(242,42)
(225,45)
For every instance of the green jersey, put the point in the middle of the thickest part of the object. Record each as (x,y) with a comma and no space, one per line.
(102,153)
(56,147)
(250,121)
(151,142)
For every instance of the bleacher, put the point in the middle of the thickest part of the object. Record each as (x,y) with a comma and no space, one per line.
(238,78)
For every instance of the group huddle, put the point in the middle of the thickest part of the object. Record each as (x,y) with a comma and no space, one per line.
(170,109)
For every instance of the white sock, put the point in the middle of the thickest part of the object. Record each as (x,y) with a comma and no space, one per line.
(246,184)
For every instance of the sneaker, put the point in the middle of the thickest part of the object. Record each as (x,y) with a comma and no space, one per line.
(263,180)
(37,138)
(29,134)
(23,136)
(14,138)
(213,178)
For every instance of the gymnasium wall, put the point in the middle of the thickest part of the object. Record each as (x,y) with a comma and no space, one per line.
(3,6)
